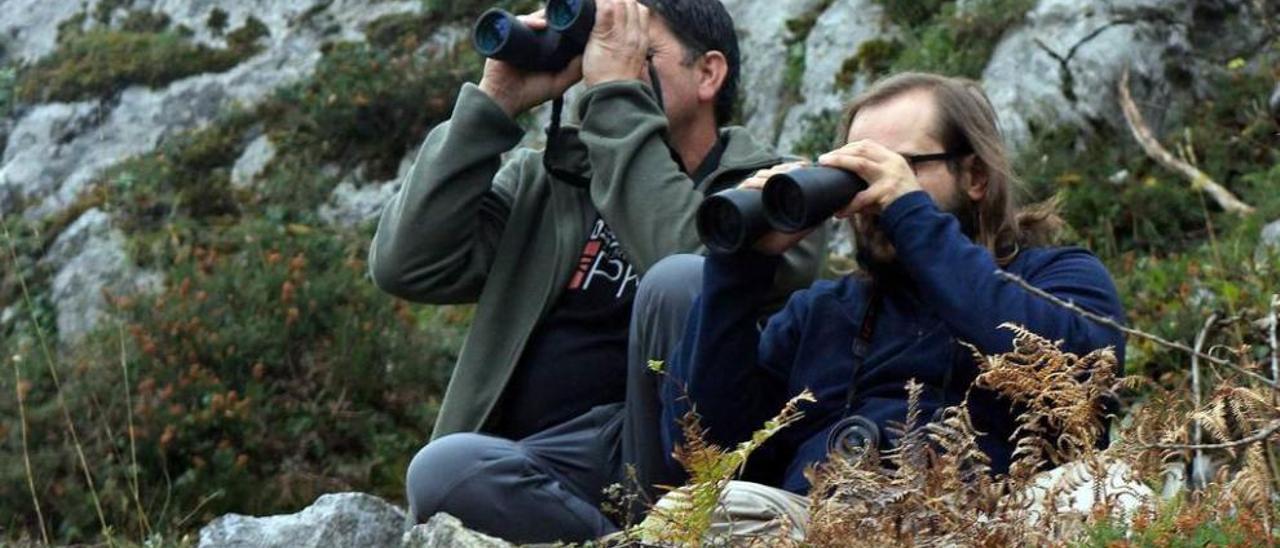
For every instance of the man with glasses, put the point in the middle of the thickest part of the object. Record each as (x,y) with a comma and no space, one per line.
(939,217)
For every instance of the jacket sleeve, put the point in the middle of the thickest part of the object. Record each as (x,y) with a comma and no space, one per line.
(958,276)
(725,367)
(437,237)
(641,192)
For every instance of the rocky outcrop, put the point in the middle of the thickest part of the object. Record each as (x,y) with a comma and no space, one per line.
(445,531)
(56,150)
(762,39)
(89,258)
(341,519)
(835,38)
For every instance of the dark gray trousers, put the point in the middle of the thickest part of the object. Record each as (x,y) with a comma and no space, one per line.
(548,487)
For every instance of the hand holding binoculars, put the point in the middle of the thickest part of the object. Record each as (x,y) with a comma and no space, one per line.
(791,202)
(500,35)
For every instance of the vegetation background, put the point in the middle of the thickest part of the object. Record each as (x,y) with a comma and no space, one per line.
(268,370)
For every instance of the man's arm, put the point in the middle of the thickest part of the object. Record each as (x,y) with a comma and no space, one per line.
(733,375)
(957,276)
(437,237)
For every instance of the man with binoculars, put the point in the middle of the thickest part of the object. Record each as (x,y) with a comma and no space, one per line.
(937,217)
(552,244)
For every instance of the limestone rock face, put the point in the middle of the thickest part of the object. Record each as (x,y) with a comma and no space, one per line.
(1061,67)
(836,37)
(56,150)
(340,519)
(89,257)
(762,35)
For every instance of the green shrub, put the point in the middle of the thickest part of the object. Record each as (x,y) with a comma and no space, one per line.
(101,62)
(268,371)
(367,106)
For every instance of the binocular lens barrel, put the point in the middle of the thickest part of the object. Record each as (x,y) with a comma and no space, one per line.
(572,18)
(731,220)
(791,202)
(499,35)
(802,198)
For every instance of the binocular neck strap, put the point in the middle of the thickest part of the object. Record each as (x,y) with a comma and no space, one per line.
(553,131)
(862,345)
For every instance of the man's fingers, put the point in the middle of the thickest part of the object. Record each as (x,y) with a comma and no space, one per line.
(606,16)
(535,21)
(643,12)
(866,168)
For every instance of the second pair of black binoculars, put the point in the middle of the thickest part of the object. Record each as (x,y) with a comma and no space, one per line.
(500,35)
(791,202)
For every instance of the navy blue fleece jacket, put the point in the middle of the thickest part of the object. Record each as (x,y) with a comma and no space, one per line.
(941,291)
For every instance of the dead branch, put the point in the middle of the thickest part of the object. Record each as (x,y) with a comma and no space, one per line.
(1258,436)
(1131,331)
(1199,179)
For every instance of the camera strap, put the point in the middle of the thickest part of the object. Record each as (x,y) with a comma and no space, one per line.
(862,344)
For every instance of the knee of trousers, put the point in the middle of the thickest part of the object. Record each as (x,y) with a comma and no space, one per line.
(670,285)
(446,467)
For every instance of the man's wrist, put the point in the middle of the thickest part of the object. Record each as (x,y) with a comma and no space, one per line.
(504,100)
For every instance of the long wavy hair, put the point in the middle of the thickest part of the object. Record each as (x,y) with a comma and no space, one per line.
(1000,221)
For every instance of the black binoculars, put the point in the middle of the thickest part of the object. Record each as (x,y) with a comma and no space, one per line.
(500,35)
(733,219)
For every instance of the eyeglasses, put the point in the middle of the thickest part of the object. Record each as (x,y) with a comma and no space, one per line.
(914,159)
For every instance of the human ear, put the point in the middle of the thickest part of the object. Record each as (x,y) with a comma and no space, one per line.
(712,69)
(975,175)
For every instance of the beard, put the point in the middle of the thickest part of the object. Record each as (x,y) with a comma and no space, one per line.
(875,251)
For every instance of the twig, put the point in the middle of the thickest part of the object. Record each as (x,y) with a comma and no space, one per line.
(1199,179)
(1131,331)
(1195,380)
(1198,463)
(26,456)
(1258,436)
(133,445)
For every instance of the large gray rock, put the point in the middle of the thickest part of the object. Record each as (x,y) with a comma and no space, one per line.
(445,531)
(341,519)
(1061,67)
(836,37)
(88,258)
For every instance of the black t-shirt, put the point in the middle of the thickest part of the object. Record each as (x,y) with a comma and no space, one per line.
(576,357)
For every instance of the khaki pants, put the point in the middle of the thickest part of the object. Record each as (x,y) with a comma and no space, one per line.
(751,510)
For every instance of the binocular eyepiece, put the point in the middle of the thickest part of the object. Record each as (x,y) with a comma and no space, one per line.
(500,35)
(790,202)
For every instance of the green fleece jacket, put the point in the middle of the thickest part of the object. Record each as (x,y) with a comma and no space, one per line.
(466,228)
